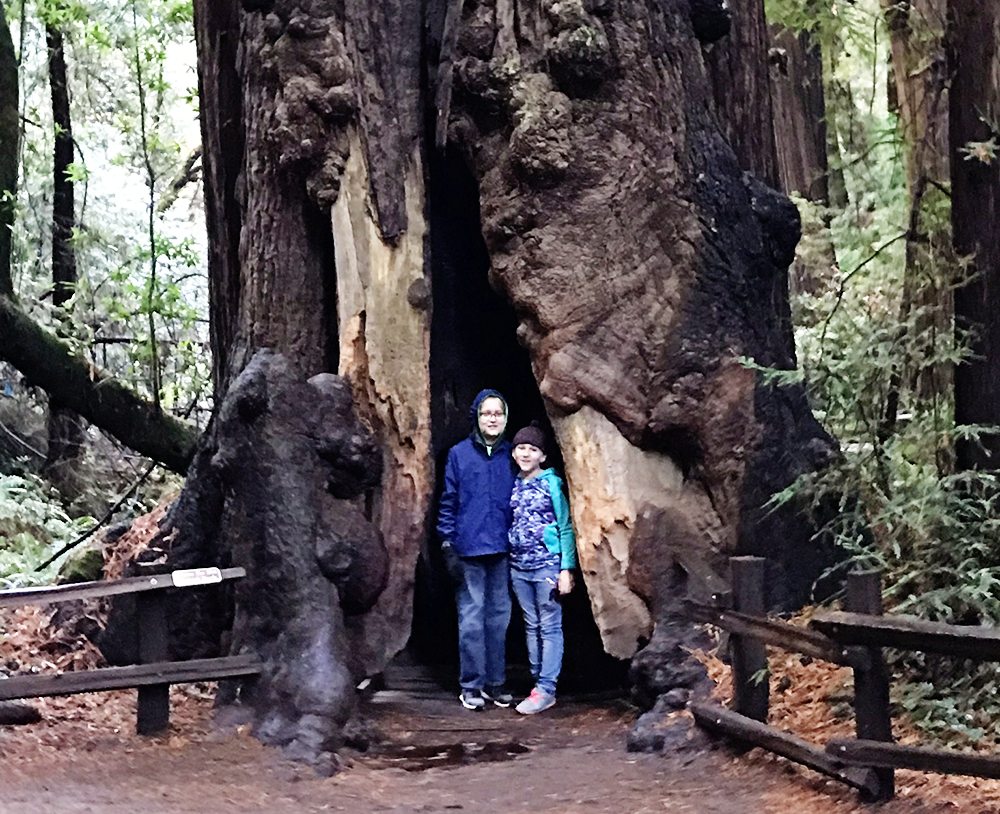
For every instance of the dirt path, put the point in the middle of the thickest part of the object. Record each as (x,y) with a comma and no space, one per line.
(83,758)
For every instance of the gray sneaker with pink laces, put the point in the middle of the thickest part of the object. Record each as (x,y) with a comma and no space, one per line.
(536,702)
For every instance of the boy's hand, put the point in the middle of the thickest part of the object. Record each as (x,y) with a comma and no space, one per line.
(452,563)
(565,582)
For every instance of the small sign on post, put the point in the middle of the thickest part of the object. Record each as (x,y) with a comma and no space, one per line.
(196,576)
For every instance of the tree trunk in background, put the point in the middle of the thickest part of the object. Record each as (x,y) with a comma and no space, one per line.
(63,207)
(801,138)
(919,69)
(837,97)
(640,259)
(738,69)
(974,48)
(799,114)
(65,428)
(10,130)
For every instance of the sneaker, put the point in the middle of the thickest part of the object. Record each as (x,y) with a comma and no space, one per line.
(471,699)
(536,702)
(499,696)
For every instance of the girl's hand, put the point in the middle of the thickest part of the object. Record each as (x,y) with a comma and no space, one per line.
(565,582)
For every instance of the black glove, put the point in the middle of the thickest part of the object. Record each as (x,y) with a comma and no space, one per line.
(452,563)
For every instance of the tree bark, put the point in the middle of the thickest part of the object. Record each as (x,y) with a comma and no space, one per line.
(801,140)
(66,432)
(799,120)
(329,214)
(384,305)
(287,285)
(48,362)
(738,68)
(63,209)
(837,94)
(278,486)
(10,131)
(383,295)
(919,69)
(221,116)
(642,264)
(974,49)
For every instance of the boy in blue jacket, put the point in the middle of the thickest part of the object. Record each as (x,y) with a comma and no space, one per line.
(542,555)
(473,520)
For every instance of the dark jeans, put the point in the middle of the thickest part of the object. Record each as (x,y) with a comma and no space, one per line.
(542,623)
(483,599)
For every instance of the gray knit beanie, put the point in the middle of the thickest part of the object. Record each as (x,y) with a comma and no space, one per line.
(532,434)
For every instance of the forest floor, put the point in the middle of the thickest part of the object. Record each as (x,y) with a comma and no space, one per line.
(435,756)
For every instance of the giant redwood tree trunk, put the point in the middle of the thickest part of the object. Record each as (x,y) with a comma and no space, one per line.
(640,260)
(643,265)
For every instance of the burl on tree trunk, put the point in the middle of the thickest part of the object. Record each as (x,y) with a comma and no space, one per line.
(641,261)
(279,485)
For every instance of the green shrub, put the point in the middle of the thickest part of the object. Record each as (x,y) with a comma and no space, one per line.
(33,526)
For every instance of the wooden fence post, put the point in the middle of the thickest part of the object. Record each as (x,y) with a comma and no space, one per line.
(751,685)
(871,684)
(153,709)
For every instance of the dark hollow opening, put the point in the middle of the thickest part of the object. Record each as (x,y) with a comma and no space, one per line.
(473,346)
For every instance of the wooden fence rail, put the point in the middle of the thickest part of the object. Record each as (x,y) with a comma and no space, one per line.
(154,674)
(854,638)
(740,728)
(910,633)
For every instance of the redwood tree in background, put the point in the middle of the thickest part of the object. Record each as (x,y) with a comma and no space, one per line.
(65,427)
(920,85)
(9,136)
(802,139)
(974,121)
(800,114)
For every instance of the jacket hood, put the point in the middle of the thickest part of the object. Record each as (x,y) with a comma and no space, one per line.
(477,435)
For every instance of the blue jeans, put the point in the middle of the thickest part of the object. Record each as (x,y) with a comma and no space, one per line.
(542,622)
(483,599)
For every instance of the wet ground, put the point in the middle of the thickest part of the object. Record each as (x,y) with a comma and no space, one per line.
(434,756)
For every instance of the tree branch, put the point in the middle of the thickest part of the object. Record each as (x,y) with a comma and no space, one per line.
(100,523)
(50,363)
(189,173)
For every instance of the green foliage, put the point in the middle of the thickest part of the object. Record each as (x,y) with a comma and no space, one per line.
(844,27)
(33,526)
(877,344)
(117,298)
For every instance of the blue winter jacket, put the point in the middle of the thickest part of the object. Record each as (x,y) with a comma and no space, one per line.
(474,514)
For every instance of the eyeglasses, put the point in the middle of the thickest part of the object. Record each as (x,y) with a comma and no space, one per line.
(491,414)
